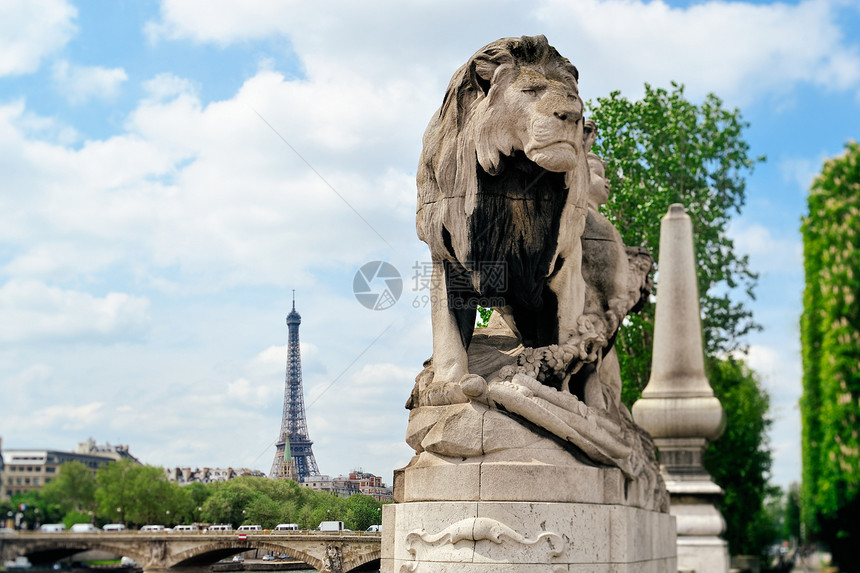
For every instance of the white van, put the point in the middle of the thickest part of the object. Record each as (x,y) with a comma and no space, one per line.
(84,528)
(374,529)
(114,527)
(287,527)
(250,528)
(52,527)
(219,527)
(330,526)
(152,528)
(185,528)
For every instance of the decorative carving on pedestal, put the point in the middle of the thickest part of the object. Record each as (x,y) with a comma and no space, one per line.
(542,548)
(528,409)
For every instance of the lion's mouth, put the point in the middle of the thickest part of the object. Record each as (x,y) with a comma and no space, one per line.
(560,145)
(558,156)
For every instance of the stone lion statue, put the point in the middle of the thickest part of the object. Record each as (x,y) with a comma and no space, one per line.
(501,202)
(508,202)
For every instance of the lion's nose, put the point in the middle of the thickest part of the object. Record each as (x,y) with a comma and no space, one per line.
(563,115)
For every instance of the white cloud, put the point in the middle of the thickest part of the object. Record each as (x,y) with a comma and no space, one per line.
(741,51)
(66,417)
(31,30)
(222,21)
(80,84)
(801,171)
(31,310)
(768,253)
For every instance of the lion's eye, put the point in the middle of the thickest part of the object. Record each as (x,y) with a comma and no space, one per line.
(534,91)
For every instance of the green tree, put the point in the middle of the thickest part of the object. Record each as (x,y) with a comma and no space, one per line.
(189,503)
(229,501)
(830,337)
(264,511)
(36,509)
(362,511)
(113,490)
(73,489)
(153,499)
(664,149)
(739,461)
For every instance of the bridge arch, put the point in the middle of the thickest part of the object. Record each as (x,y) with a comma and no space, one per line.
(214,551)
(51,551)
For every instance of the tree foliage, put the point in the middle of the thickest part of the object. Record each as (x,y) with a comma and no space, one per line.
(73,489)
(138,495)
(830,337)
(664,149)
(739,461)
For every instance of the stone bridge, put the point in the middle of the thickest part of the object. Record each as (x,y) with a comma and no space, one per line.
(329,553)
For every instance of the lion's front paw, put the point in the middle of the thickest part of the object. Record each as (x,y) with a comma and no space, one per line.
(440,393)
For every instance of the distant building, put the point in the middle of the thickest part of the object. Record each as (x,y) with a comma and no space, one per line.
(105,450)
(371,485)
(27,470)
(345,486)
(2,476)
(185,476)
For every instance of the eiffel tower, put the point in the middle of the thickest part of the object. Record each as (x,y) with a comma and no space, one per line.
(294,458)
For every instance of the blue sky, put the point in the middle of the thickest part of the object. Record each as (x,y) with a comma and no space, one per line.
(153,223)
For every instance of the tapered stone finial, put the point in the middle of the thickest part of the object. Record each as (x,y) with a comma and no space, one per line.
(678,400)
(678,407)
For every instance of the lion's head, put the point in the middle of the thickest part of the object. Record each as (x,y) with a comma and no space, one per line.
(514,95)
(531,104)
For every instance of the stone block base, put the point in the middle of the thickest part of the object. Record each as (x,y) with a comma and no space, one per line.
(525,537)
(703,554)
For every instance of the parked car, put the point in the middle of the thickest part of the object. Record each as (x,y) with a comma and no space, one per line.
(114,527)
(250,528)
(185,528)
(152,529)
(52,528)
(84,528)
(268,557)
(374,529)
(287,527)
(238,558)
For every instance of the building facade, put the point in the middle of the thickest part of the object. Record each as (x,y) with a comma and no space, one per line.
(185,476)
(106,450)
(345,486)
(2,473)
(27,470)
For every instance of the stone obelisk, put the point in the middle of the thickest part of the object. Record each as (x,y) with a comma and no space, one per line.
(678,407)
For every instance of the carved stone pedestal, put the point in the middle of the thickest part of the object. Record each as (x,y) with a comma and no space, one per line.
(526,537)
(517,501)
